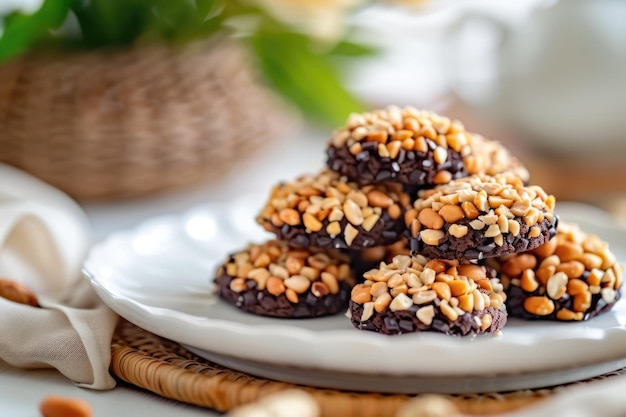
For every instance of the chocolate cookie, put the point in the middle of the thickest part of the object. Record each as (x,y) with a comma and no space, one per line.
(326,210)
(363,260)
(480,217)
(414,147)
(418,295)
(275,279)
(572,277)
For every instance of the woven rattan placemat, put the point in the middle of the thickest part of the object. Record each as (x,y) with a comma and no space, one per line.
(169,370)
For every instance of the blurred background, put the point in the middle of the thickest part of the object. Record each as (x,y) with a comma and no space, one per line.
(139,107)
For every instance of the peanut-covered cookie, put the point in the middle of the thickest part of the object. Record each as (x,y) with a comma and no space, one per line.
(418,295)
(573,277)
(326,210)
(414,147)
(480,217)
(278,280)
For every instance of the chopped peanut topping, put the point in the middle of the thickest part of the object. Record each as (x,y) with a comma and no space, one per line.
(322,203)
(413,130)
(415,283)
(286,269)
(569,269)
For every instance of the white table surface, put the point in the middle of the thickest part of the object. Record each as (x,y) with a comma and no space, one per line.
(22,390)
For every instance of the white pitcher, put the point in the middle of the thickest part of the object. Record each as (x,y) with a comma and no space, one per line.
(559,76)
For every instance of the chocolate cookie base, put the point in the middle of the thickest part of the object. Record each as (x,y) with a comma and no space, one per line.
(385,232)
(412,191)
(409,167)
(405,321)
(475,246)
(516,297)
(263,303)
(361,266)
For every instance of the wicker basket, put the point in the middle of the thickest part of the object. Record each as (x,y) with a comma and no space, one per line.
(125,123)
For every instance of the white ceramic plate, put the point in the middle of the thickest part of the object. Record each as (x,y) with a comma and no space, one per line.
(158,276)
(416,383)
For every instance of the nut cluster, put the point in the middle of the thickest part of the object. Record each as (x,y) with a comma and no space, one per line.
(563,276)
(496,159)
(395,129)
(433,286)
(329,203)
(279,269)
(492,204)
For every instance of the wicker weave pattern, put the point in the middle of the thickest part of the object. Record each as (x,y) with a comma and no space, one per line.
(116,124)
(167,369)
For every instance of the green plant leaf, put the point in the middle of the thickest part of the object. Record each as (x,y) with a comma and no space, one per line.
(172,19)
(352,49)
(122,22)
(303,76)
(111,22)
(181,23)
(210,17)
(303,73)
(208,9)
(21,31)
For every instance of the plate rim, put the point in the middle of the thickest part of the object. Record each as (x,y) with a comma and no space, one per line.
(415,383)
(139,314)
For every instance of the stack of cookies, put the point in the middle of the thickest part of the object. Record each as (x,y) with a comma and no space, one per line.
(419,225)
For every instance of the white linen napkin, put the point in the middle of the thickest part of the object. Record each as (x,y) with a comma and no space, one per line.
(44,237)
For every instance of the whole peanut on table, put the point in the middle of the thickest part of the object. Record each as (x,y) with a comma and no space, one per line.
(55,406)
